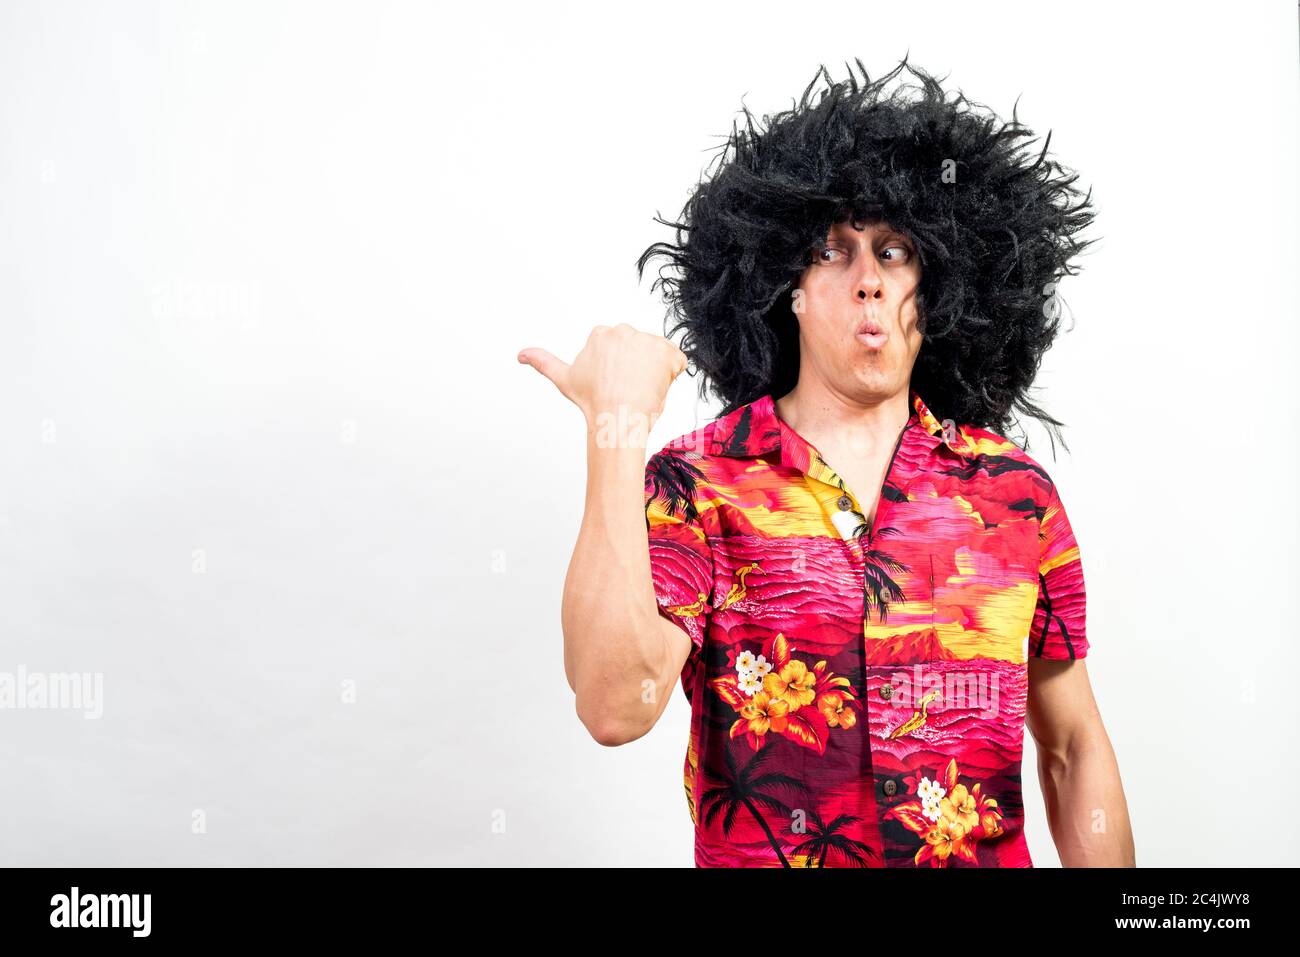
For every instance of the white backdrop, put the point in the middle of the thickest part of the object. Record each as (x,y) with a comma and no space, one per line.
(271,470)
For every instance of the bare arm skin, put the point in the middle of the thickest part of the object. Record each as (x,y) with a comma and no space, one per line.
(621,658)
(1086,809)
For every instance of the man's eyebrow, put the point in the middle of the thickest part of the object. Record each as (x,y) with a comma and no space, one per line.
(893,232)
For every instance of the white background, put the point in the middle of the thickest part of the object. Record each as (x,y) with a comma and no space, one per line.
(264,271)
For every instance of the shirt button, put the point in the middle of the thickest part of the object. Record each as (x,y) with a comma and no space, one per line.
(845,503)
(891,786)
(886,691)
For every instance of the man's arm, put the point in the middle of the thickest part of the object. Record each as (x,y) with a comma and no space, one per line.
(1086,809)
(622,658)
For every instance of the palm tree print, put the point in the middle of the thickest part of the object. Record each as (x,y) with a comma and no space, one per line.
(738,442)
(747,789)
(824,838)
(670,477)
(878,588)
(1045,603)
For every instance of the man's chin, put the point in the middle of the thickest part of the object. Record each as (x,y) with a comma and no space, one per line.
(877,383)
(878,374)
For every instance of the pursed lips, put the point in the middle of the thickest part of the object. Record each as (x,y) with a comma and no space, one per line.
(871,334)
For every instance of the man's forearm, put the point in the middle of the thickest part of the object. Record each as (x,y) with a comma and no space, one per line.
(612,639)
(1086,809)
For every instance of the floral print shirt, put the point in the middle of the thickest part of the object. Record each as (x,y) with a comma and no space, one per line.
(858,690)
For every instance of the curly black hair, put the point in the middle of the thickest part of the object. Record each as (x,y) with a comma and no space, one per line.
(994,230)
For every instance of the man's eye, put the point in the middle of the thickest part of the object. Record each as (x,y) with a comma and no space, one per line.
(902,255)
(826,251)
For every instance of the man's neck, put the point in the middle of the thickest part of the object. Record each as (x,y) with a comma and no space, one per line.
(827,418)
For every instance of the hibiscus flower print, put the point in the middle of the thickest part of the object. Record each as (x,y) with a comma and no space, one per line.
(950,818)
(776,694)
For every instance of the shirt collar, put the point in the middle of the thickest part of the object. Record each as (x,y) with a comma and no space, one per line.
(755,429)
(957,438)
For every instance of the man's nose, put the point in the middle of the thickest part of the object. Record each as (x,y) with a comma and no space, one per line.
(868,284)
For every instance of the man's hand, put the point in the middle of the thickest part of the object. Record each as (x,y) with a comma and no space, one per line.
(620,368)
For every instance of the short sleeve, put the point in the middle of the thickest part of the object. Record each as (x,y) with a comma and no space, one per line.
(681,562)
(1058,631)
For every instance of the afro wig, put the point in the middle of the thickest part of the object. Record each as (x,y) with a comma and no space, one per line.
(994,230)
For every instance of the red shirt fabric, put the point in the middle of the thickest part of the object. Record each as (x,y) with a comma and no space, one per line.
(858,692)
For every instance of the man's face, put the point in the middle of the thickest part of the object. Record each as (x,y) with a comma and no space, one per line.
(857,311)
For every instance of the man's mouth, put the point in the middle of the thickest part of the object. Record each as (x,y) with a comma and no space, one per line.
(871,334)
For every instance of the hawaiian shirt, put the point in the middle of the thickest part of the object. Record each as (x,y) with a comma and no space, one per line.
(858,689)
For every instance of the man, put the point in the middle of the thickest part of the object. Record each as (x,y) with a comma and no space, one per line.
(866,591)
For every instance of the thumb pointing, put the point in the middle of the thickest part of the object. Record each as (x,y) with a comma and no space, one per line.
(548,365)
